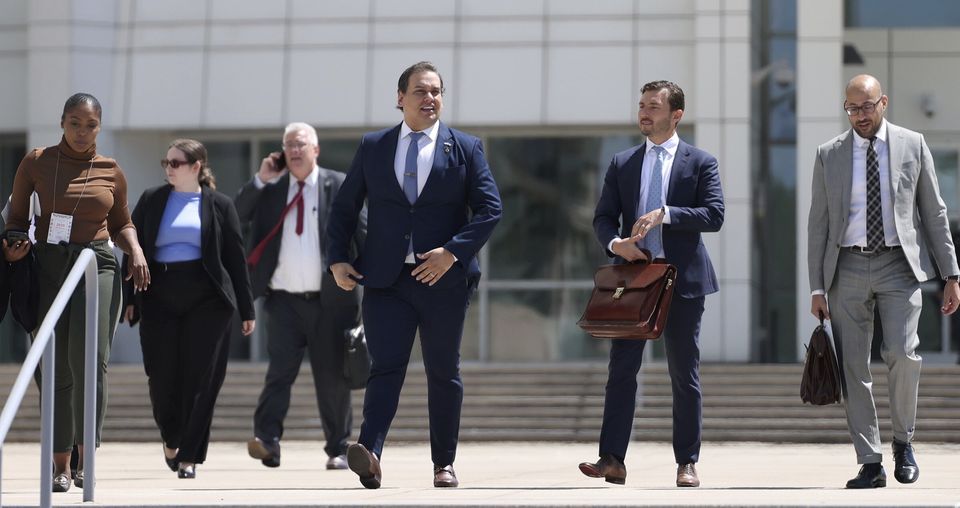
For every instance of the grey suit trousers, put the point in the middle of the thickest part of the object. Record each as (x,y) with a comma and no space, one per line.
(863,282)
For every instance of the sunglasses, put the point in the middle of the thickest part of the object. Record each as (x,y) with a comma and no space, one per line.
(173,163)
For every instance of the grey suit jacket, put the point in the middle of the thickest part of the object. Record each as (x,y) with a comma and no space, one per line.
(919,212)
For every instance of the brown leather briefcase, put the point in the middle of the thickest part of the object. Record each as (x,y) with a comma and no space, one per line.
(630,301)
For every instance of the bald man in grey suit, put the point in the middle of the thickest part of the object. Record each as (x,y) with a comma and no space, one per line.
(876,217)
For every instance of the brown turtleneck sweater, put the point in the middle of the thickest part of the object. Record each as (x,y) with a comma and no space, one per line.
(101,208)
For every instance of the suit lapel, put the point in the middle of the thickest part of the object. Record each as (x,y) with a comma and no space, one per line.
(386,155)
(441,156)
(845,160)
(634,169)
(206,216)
(324,186)
(677,171)
(895,152)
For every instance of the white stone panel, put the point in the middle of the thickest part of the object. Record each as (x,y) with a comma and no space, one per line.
(243,88)
(13,82)
(819,86)
(703,95)
(735,161)
(736,244)
(13,38)
(820,18)
(589,30)
(268,33)
(50,10)
(924,92)
(737,26)
(395,9)
(48,36)
(737,306)
(870,40)
(14,12)
(736,80)
(258,11)
(576,95)
(645,7)
(389,63)
(173,76)
(711,327)
(505,8)
(97,37)
(170,10)
(478,31)
(709,138)
(303,9)
(168,37)
(593,8)
(329,32)
(927,40)
(515,99)
(669,30)
(671,62)
(327,88)
(47,86)
(413,32)
(707,26)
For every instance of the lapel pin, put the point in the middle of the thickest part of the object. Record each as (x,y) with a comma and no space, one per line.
(446,146)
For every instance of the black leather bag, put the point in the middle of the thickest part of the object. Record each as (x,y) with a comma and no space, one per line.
(821,381)
(356,358)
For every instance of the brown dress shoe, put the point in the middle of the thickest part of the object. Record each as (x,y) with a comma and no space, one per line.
(608,467)
(365,464)
(687,476)
(444,476)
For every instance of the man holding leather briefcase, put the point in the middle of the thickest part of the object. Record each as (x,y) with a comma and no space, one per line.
(659,196)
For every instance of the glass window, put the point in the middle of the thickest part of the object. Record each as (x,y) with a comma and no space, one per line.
(948,175)
(230,161)
(541,325)
(897,13)
(549,186)
(335,154)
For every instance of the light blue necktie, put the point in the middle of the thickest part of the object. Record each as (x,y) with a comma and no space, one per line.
(653,240)
(410,174)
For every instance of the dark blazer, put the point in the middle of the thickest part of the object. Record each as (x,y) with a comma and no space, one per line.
(457,208)
(696,206)
(261,208)
(19,289)
(221,244)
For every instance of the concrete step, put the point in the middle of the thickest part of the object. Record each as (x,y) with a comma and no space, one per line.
(540,402)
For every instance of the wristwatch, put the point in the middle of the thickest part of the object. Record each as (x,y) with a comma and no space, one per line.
(953,277)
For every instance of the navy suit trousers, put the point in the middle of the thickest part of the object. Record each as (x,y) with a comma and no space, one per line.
(681,341)
(391,318)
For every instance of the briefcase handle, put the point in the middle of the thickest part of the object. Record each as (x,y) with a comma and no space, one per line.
(647,261)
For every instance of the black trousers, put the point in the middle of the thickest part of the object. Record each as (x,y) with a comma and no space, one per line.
(184,335)
(294,325)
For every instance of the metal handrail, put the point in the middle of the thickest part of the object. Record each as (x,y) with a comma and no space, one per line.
(44,345)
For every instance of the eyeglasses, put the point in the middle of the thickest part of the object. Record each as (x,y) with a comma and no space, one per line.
(867,108)
(295,146)
(173,163)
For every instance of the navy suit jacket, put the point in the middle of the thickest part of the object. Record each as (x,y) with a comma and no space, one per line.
(457,209)
(695,200)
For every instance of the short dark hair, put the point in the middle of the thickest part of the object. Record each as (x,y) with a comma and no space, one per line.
(196,152)
(417,68)
(674,92)
(81,98)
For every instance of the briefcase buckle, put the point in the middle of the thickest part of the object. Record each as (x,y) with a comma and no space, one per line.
(618,293)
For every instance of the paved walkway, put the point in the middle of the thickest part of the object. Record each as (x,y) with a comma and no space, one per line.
(495,474)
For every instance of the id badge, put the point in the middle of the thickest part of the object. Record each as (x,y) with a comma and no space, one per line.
(60,226)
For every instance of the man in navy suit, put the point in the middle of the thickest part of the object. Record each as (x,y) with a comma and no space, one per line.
(659,196)
(432,203)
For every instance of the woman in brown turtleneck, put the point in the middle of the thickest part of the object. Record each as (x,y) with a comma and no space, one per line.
(83,203)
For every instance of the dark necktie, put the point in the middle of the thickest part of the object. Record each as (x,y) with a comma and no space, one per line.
(410,170)
(874,209)
(297,201)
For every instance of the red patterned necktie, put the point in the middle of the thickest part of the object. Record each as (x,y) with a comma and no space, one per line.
(297,201)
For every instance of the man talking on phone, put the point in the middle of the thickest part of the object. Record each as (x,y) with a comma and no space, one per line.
(286,205)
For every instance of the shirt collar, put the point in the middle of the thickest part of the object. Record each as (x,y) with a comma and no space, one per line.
(432,132)
(310,180)
(881,135)
(669,145)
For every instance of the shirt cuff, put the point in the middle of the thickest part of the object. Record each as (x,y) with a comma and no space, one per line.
(610,245)
(666,214)
(816,292)
(258,183)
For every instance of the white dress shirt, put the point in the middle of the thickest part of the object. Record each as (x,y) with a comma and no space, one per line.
(298,267)
(649,161)
(427,146)
(856,233)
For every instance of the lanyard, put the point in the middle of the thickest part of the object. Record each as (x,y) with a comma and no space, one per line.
(56,173)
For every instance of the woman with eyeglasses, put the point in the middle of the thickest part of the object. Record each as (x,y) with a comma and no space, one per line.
(82,197)
(190,235)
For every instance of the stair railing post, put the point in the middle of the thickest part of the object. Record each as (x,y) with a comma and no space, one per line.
(46,421)
(91,369)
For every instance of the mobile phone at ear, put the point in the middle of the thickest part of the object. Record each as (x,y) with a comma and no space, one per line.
(281,161)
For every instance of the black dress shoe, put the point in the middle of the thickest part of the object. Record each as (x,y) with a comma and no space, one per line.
(871,476)
(445,476)
(608,467)
(365,464)
(267,451)
(187,472)
(906,470)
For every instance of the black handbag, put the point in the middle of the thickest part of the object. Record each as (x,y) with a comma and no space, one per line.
(821,381)
(356,358)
